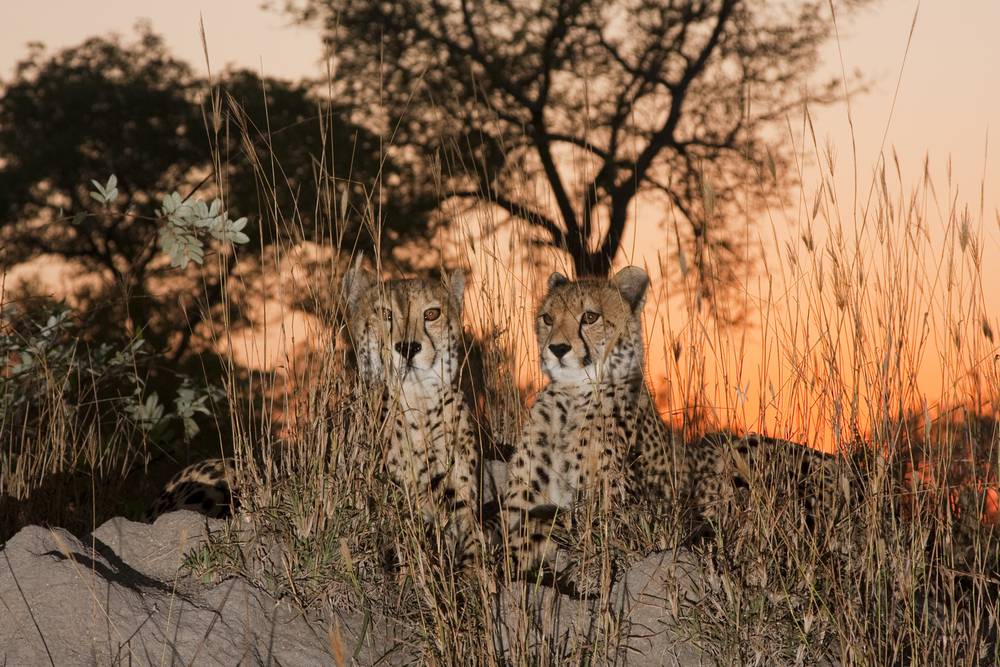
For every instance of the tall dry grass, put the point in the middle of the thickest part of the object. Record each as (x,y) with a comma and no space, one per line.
(849,318)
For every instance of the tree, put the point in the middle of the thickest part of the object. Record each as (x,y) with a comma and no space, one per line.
(272,149)
(84,113)
(598,101)
(290,156)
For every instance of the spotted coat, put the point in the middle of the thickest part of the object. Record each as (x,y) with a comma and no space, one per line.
(407,335)
(205,487)
(594,435)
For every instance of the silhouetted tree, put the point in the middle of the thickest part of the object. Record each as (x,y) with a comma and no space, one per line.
(290,156)
(84,113)
(596,101)
(274,150)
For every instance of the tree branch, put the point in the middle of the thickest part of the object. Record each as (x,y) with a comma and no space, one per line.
(521,211)
(665,135)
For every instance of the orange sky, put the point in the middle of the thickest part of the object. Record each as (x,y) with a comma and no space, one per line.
(949,96)
(947,105)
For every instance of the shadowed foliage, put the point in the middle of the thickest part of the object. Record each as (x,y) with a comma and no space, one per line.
(275,151)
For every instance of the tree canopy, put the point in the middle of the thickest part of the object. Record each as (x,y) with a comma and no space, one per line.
(84,113)
(561,113)
(276,151)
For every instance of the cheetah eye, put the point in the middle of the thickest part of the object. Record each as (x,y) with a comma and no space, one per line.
(432,314)
(590,317)
(387,315)
(547,319)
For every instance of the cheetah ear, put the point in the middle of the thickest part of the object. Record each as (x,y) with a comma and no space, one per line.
(556,279)
(456,285)
(632,283)
(357,281)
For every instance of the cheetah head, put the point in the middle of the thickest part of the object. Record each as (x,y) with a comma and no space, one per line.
(589,330)
(408,330)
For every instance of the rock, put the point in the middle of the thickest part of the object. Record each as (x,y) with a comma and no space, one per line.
(655,597)
(120,596)
(117,598)
(494,480)
(642,622)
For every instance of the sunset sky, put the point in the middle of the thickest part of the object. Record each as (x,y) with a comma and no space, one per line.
(948,101)
(947,108)
(949,95)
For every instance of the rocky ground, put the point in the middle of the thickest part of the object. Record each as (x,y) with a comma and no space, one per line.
(122,597)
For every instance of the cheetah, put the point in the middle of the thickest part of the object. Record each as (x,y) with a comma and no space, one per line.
(407,337)
(594,432)
(584,425)
(205,487)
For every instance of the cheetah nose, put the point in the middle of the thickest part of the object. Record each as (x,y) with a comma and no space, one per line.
(408,349)
(559,349)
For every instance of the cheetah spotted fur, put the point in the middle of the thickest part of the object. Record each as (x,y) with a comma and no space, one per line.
(594,434)
(407,336)
(205,487)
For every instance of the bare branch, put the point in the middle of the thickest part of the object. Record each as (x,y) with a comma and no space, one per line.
(665,135)
(520,211)
(637,87)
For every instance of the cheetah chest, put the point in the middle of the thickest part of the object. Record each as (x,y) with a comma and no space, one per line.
(431,449)
(422,443)
(578,444)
